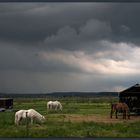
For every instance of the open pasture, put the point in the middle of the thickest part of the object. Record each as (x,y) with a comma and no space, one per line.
(80,117)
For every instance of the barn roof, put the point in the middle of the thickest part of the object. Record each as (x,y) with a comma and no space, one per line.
(132,91)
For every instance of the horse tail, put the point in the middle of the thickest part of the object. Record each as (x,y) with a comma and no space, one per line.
(48,105)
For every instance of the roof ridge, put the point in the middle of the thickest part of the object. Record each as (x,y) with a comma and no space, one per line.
(128,88)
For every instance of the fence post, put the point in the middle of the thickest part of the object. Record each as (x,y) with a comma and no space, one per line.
(27,125)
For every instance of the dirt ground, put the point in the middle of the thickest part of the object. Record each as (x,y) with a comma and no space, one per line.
(99,118)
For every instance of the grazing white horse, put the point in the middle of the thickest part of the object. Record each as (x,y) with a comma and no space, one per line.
(54,105)
(28,114)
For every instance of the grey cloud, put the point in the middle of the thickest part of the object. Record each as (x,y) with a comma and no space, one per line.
(82,42)
(34,22)
(13,57)
(18,58)
(95,29)
(89,33)
(11,8)
(125,28)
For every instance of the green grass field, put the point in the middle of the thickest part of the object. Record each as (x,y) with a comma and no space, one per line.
(72,121)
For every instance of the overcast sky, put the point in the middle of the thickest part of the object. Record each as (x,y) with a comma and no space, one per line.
(49,47)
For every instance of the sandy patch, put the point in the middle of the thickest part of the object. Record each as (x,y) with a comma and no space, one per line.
(98,118)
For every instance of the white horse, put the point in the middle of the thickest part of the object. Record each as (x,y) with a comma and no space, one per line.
(28,114)
(54,105)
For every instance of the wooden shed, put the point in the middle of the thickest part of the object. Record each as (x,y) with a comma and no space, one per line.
(6,103)
(131,97)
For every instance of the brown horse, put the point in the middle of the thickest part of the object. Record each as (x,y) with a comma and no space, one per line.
(120,107)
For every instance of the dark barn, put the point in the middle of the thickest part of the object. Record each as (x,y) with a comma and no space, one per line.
(6,103)
(131,97)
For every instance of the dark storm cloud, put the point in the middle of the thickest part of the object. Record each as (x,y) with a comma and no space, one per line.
(36,27)
(68,38)
(68,46)
(36,22)
(33,23)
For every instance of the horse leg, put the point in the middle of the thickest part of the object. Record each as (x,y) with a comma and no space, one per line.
(128,114)
(31,120)
(50,106)
(116,114)
(56,107)
(16,120)
(112,110)
(123,114)
(19,120)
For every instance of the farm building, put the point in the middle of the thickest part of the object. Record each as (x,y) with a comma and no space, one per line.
(6,103)
(131,97)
